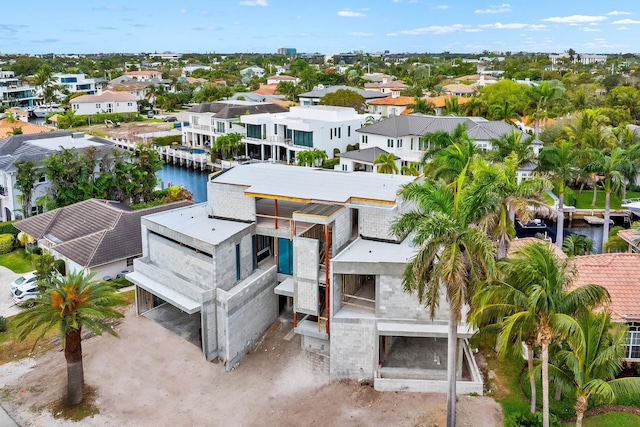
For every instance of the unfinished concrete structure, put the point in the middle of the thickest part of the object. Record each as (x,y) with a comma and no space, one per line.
(320,240)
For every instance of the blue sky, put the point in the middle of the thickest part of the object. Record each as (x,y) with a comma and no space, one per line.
(327,26)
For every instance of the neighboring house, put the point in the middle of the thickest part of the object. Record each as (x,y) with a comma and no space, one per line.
(459,89)
(26,128)
(387,87)
(276,235)
(35,148)
(393,105)
(190,68)
(144,75)
(78,83)
(274,80)
(101,236)
(377,78)
(313,97)
(253,71)
(402,134)
(106,102)
(138,84)
(279,136)
(361,160)
(631,236)
(212,119)
(14,92)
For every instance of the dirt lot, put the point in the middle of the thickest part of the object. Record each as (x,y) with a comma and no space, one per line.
(151,377)
(130,131)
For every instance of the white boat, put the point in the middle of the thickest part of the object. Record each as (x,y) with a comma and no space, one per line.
(633,205)
(42,110)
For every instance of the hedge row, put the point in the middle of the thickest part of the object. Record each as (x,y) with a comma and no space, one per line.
(65,122)
(163,141)
(6,243)
(8,228)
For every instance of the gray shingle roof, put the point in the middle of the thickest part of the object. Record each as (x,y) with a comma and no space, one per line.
(478,128)
(366,94)
(366,155)
(224,110)
(93,232)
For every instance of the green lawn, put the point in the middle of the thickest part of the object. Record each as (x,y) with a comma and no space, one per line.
(583,201)
(17,261)
(611,419)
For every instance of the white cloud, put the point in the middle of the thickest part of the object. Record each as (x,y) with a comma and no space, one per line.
(396,1)
(626,22)
(537,27)
(350,14)
(504,7)
(624,28)
(617,12)
(434,29)
(472,30)
(442,6)
(183,11)
(392,34)
(501,26)
(361,34)
(263,3)
(591,30)
(575,19)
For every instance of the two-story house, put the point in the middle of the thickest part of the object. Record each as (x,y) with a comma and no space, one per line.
(318,241)
(78,82)
(279,136)
(105,102)
(14,92)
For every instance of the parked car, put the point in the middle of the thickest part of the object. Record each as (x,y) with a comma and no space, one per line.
(151,114)
(24,289)
(170,119)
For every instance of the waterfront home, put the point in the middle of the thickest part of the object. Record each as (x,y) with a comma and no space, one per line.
(317,241)
(36,147)
(106,102)
(100,236)
(14,92)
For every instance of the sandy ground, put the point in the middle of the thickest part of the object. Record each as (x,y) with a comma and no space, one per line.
(152,377)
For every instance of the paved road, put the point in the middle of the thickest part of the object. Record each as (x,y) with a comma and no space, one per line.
(6,420)
(7,308)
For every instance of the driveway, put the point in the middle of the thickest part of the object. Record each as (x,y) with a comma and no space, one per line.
(7,307)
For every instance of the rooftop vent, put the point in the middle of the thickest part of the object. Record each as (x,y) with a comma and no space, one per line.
(76,135)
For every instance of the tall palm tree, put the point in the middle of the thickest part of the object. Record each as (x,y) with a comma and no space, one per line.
(506,112)
(453,253)
(513,142)
(386,163)
(609,167)
(475,107)
(422,106)
(436,141)
(69,305)
(411,169)
(594,359)
(452,107)
(559,162)
(543,97)
(448,163)
(26,177)
(534,273)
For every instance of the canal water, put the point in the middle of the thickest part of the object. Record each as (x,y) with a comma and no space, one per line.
(193,180)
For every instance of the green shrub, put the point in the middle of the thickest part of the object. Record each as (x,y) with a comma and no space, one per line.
(163,141)
(527,419)
(6,243)
(330,163)
(336,151)
(120,283)
(36,251)
(60,266)
(3,324)
(8,228)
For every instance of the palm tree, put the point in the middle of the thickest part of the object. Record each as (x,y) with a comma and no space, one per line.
(453,253)
(422,106)
(594,359)
(386,163)
(452,108)
(435,141)
(448,163)
(542,97)
(411,169)
(505,112)
(609,166)
(69,305)
(534,273)
(576,245)
(513,142)
(475,107)
(26,178)
(559,162)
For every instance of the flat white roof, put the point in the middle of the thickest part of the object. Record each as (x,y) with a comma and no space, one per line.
(309,184)
(64,142)
(194,222)
(362,250)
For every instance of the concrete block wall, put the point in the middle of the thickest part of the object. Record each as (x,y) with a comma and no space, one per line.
(374,222)
(248,309)
(315,345)
(353,348)
(392,302)
(225,260)
(229,201)
(167,278)
(341,229)
(182,261)
(209,325)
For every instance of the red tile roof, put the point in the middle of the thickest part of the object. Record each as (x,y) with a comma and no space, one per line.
(619,273)
(629,236)
(106,96)
(6,128)
(142,73)
(399,100)
(517,244)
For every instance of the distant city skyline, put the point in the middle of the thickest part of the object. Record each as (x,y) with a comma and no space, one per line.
(330,26)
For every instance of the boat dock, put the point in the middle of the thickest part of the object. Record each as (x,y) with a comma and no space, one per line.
(594,220)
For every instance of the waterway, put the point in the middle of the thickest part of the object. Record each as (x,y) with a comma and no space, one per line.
(193,180)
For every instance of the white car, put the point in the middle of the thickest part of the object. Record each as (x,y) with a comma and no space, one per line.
(24,288)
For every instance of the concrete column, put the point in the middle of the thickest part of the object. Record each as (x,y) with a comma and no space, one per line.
(208,325)
(262,152)
(460,358)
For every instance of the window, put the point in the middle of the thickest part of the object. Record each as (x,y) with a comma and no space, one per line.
(42,178)
(238,261)
(254,131)
(390,143)
(130,261)
(344,168)
(365,139)
(98,106)
(399,145)
(339,132)
(302,138)
(633,341)
(275,129)
(348,131)
(220,127)
(412,143)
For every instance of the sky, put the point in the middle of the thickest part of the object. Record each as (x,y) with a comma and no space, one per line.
(326,26)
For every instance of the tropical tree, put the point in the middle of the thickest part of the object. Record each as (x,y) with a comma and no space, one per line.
(421,106)
(609,167)
(475,107)
(436,141)
(228,144)
(345,98)
(411,169)
(513,142)
(576,245)
(69,305)
(452,107)
(543,97)
(595,357)
(314,157)
(506,112)
(558,162)
(386,163)
(545,298)
(26,177)
(453,254)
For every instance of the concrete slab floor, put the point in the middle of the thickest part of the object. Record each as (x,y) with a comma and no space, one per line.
(417,353)
(180,323)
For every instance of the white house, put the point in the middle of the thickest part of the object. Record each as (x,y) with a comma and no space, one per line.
(274,80)
(280,136)
(144,75)
(106,102)
(77,82)
(252,71)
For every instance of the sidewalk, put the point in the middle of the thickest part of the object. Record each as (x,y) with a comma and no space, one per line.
(6,420)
